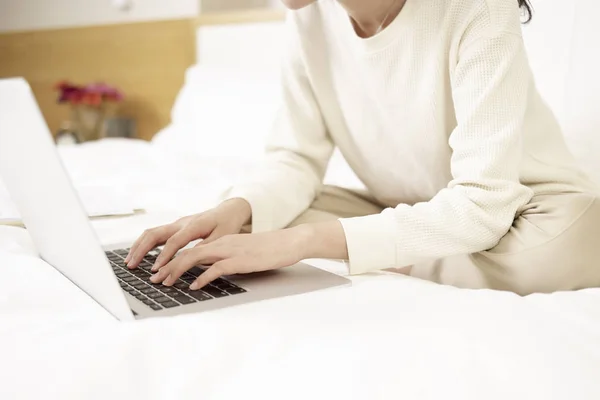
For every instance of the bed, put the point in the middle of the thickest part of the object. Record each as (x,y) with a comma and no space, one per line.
(387,336)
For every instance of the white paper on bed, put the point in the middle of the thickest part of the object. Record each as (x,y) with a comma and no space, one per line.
(98,201)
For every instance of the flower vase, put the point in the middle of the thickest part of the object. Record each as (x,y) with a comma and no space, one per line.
(88,122)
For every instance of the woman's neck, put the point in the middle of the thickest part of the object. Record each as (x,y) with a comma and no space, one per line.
(370,16)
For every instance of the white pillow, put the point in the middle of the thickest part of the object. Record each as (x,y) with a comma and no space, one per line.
(227,113)
(222,111)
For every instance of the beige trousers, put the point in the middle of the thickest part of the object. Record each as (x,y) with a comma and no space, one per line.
(553,244)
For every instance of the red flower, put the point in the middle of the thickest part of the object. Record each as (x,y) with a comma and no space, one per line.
(93,95)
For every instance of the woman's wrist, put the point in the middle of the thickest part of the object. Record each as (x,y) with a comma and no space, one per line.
(237,208)
(320,240)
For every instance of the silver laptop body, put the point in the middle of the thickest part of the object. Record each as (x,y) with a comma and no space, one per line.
(55,218)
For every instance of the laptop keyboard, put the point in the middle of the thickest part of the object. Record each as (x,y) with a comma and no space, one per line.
(158,297)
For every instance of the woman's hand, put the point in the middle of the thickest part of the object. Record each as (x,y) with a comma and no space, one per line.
(226,219)
(238,254)
(242,254)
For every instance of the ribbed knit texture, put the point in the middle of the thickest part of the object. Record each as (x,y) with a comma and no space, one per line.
(438,115)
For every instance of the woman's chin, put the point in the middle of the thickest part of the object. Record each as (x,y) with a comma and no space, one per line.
(297,4)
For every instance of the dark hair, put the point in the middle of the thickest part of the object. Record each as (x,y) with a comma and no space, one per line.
(527,8)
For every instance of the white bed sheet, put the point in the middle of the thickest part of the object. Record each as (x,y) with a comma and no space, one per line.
(387,336)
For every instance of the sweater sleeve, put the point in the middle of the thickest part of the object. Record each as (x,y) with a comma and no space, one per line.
(490,87)
(297,150)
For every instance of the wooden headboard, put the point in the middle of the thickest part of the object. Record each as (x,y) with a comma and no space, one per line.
(147,60)
(240,17)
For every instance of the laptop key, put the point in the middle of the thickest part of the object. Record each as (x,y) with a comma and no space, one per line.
(199,295)
(169,304)
(182,285)
(224,286)
(211,285)
(173,295)
(130,279)
(148,290)
(235,290)
(145,265)
(155,295)
(184,299)
(139,296)
(167,289)
(215,292)
(161,299)
(186,291)
(196,271)
(155,307)
(147,302)
(139,285)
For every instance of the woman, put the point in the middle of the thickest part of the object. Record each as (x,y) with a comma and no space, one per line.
(433,105)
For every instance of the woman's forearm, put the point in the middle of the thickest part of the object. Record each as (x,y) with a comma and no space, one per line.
(322,240)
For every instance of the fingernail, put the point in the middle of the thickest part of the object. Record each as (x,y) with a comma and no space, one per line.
(154,268)
(127,259)
(194,286)
(154,278)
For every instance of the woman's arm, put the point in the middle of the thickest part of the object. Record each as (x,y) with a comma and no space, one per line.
(297,152)
(491,85)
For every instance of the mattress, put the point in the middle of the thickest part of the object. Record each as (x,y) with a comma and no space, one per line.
(387,336)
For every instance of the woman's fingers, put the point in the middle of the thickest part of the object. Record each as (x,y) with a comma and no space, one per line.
(217,270)
(187,259)
(175,243)
(217,233)
(133,248)
(149,240)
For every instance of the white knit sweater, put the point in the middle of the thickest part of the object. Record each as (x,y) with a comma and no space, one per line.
(438,115)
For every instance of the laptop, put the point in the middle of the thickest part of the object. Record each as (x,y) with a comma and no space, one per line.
(58,224)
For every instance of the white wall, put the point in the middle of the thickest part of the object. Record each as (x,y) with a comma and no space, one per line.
(275,3)
(18,15)
(563,44)
(24,15)
(217,5)
(255,45)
